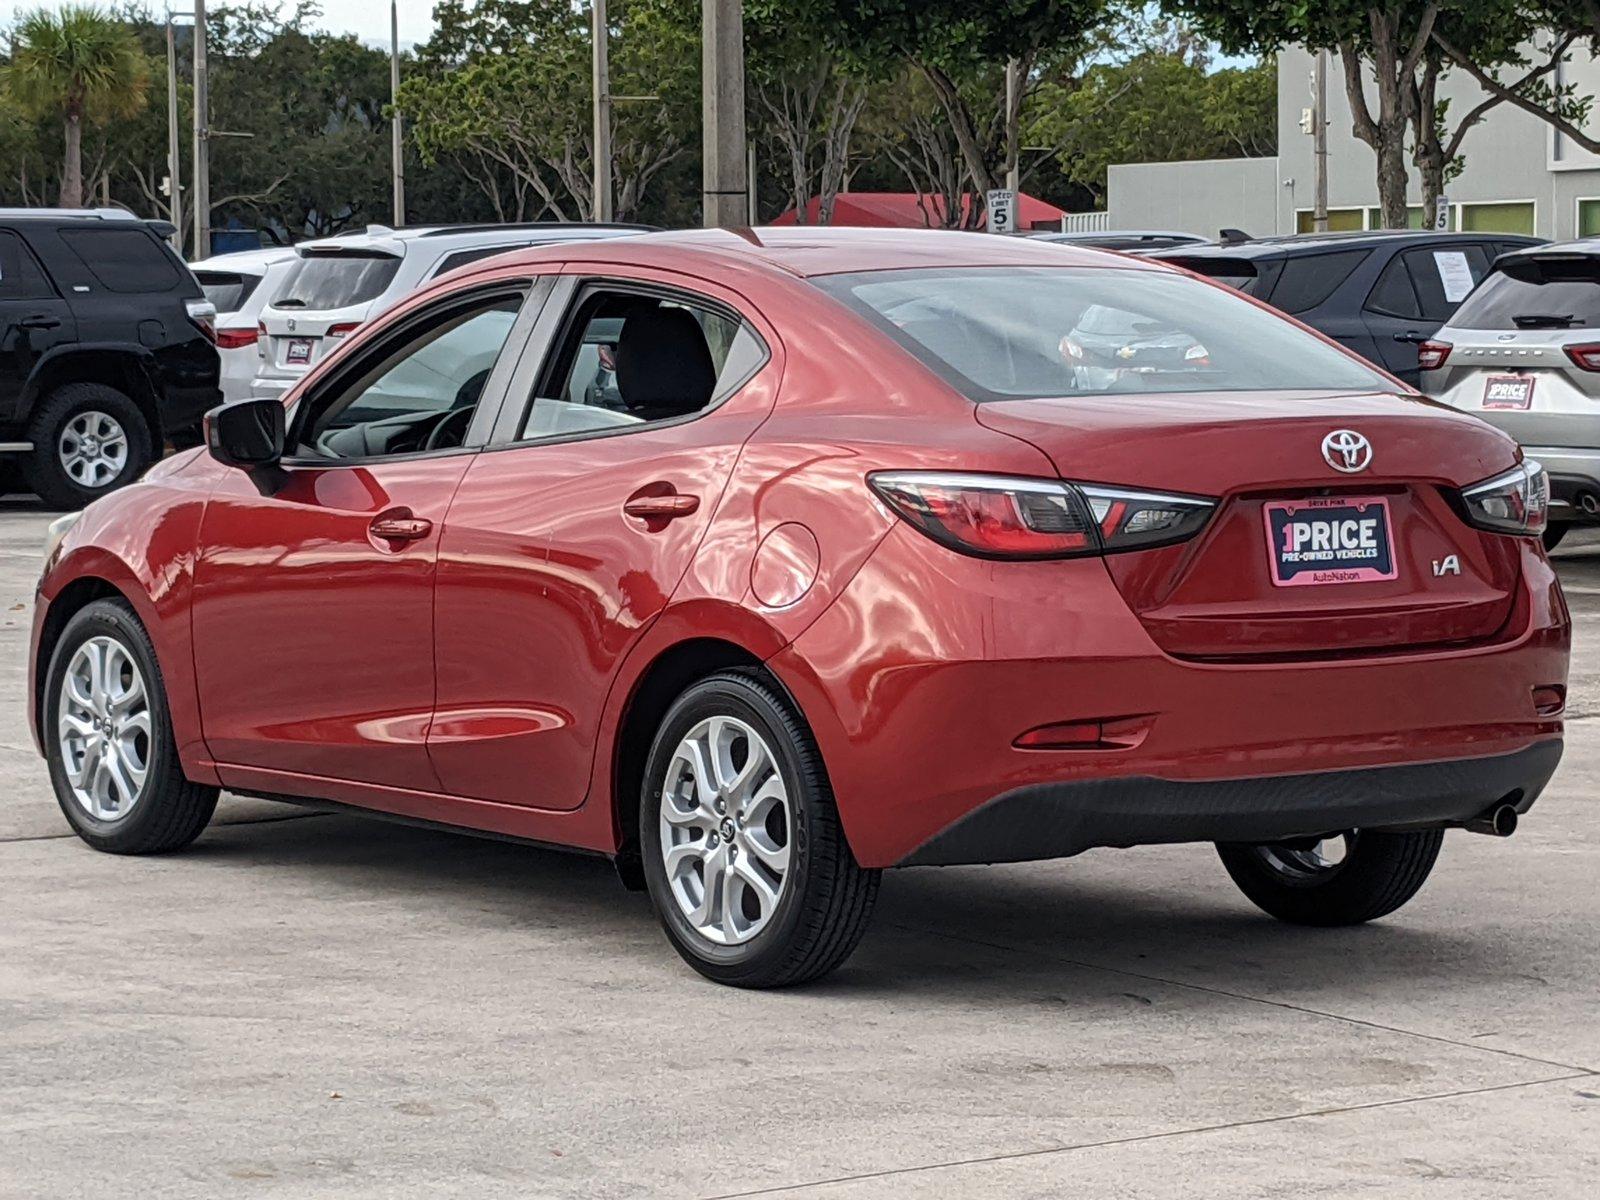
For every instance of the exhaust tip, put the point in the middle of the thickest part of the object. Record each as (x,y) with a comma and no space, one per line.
(1499,821)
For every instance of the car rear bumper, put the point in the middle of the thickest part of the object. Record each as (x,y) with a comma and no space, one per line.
(920,678)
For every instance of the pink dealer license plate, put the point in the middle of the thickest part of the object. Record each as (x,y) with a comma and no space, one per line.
(1329,539)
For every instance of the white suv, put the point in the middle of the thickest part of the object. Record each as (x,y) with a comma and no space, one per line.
(240,285)
(342,281)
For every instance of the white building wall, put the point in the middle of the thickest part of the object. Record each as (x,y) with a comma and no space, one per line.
(1196,197)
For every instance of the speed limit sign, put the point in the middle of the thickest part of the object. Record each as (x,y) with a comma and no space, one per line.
(1002,204)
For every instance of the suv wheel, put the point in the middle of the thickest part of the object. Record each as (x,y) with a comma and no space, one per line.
(88,439)
(744,856)
(108,739)
(1342,879)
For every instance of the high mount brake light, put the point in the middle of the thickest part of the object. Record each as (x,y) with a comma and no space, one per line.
(1010,517)
(1517,501)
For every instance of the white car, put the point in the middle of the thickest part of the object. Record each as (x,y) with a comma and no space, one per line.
(240,285)
(342,281)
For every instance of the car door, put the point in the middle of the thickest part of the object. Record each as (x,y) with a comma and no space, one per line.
(1417,292)
(569,537)
(314,590)
(33,318)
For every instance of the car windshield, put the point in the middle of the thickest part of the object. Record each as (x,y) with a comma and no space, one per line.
(1535,293)
(324,281)
(1000,333)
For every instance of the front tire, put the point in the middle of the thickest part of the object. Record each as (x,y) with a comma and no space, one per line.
(88,440)
(744,856)
(108,737)
(1343,879)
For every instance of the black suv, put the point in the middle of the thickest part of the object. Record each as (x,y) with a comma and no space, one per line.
(1380,293)
(107,350)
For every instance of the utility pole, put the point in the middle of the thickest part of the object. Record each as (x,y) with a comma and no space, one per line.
(174,154)
(1319,144)
(601,208)
(1013,134)
(724,186)
(202,138)
(398,147)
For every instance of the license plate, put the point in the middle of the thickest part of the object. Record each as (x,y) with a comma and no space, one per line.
(299,351)
(1329,539)
(1508,391)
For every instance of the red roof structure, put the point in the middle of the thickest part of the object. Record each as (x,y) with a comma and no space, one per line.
(911,210)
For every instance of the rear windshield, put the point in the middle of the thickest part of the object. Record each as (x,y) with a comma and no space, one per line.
(1537,293)
(1238,273)
(325,281)
(227,289)
(1000,333)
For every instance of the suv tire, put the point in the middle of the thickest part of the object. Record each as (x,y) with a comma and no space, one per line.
(110,435)
(743,830)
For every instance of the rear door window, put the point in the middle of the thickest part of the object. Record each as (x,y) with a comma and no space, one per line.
(124,260)
(462,257)
(1309,279)
(21,277)
(1393,295)
(338,280)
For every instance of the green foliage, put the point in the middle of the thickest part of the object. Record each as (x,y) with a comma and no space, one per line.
(1157,107)
(76,62)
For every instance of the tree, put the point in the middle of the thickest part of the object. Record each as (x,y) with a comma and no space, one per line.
(961,49)
(76,65)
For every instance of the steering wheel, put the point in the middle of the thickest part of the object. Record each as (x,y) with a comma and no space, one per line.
(454,423)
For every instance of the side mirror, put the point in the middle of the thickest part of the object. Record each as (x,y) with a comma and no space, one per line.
(247,433)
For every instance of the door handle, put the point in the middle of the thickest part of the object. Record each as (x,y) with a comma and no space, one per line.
(40,321)
(661,508)
(400,527)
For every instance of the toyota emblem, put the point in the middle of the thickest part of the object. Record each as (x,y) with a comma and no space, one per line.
(1347,451)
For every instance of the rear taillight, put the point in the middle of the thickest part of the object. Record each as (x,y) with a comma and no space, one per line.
(343,329)
(1004,516)
(1515,502)
(1585,357)
(237,337)
(1432,355)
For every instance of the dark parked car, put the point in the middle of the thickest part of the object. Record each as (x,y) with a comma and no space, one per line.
(1380,293)
(107,350)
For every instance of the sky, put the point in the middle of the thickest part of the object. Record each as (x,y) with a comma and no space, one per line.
(367,19)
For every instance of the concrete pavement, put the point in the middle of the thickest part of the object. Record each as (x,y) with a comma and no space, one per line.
(308,1006)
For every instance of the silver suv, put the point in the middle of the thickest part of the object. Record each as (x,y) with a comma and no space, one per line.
(1523,353)
(342,281)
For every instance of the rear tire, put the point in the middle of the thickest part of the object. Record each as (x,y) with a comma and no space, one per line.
(1378,873)
(1553,534)
(88,440)
(142,803)
(764,891)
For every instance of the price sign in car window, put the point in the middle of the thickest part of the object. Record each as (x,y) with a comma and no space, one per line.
(1455,273)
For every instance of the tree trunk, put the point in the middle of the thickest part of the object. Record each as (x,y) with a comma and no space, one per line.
(72,166)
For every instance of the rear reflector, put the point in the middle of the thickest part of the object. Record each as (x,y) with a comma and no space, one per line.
(1585,357)
(1011,517)
(1548,701)
(236,338)
(1432,355)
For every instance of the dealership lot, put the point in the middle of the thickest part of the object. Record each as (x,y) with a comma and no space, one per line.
(307,1005)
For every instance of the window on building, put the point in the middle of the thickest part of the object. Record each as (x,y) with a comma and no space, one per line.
(1588,218)
(1340,220)
(1513,217)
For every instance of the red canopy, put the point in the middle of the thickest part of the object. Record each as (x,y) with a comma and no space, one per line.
(909,210)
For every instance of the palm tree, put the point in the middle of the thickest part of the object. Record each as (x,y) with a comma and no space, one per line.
(76,64)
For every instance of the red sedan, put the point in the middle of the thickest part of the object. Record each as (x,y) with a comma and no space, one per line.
(763,561)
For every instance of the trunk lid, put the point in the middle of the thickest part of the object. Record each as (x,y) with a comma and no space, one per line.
(1260,454)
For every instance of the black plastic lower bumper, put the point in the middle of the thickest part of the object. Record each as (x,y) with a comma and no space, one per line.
(1059,819)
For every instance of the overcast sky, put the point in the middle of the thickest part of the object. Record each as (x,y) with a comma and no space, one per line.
(367,19)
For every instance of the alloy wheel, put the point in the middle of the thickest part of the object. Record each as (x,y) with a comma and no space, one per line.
(93,449)
(103,729)
(725,830)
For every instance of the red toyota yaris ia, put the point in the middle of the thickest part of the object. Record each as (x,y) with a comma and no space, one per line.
(763,561)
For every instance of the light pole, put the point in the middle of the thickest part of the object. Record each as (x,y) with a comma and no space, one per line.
(398,147)
(1319,142)
(174,154)
(601,206)
(202,137)
(725,188)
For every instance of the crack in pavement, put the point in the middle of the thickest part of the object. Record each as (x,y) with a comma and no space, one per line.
(1161,1135)
(1286,1005)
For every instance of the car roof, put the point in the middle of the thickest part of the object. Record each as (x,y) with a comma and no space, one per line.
(249,261)
(1581,246)
(1056,235)
(1288,245)
(808,251)
(383,239)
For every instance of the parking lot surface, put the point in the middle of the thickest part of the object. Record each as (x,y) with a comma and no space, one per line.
(313,1005)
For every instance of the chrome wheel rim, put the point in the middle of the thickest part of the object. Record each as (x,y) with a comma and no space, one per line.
(93,449)
(103,730)
(725,830)
(1306,862)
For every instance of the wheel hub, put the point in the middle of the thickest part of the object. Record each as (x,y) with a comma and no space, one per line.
(103,729)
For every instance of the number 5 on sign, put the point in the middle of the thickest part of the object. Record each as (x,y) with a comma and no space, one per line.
(1002,204)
